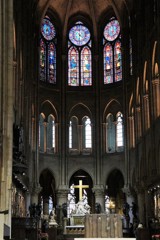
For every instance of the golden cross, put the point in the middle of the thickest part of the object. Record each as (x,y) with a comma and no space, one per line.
(81,187)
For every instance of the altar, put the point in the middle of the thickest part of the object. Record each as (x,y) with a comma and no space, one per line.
(82,222)
(96,226)
(103,226)
(77,219)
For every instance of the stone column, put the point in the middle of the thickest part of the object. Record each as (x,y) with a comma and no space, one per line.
(1,226)
(149,200)
(28,200)
(141,205)
(146,111)
(131,131)
(62,195)
(96,127)
(62,134)
(100,196)
(46,205)
(156,94)
(130,200)
(45,136)
(6,108)
(35,190)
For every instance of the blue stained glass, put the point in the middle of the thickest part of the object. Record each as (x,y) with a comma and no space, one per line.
(47,29)
(48,52)
(112,55)
(118,61)
(79,56)
(112,30)
(108,64)
(79,35)
(52,63)
(42,61)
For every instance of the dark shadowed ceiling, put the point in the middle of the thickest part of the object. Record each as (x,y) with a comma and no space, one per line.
(94,9)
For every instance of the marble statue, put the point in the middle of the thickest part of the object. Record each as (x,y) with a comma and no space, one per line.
(52,217)
(82,206)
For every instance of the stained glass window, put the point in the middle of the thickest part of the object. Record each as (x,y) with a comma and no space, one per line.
(79,56)
(48,52)
(130,54)
(108,63)
(73,59)
(79,35)
(42,60)
(112,55)
(112,30)
(85,67)
(47,29)
(117,61)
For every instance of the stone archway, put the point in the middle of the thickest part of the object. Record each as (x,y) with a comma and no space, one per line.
(114,186)
(82,181)
(47,194)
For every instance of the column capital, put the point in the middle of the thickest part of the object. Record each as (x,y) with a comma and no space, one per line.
(98,189)
(35,188)
(62,194)
(127,190)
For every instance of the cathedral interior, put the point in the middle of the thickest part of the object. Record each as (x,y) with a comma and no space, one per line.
(80,110)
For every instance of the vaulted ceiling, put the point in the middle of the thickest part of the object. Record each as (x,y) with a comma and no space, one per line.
(94,9)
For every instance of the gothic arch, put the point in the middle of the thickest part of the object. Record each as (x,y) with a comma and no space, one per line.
(48,184)
(48,108)
(80,110)
(114,189)
(82,177)
(154,57)
(112,107)
(156,70)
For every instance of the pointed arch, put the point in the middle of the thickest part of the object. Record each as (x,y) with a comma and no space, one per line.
(80,110)
(115,197)
(113,127)
(47,196)
(48,108)
(153,58)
